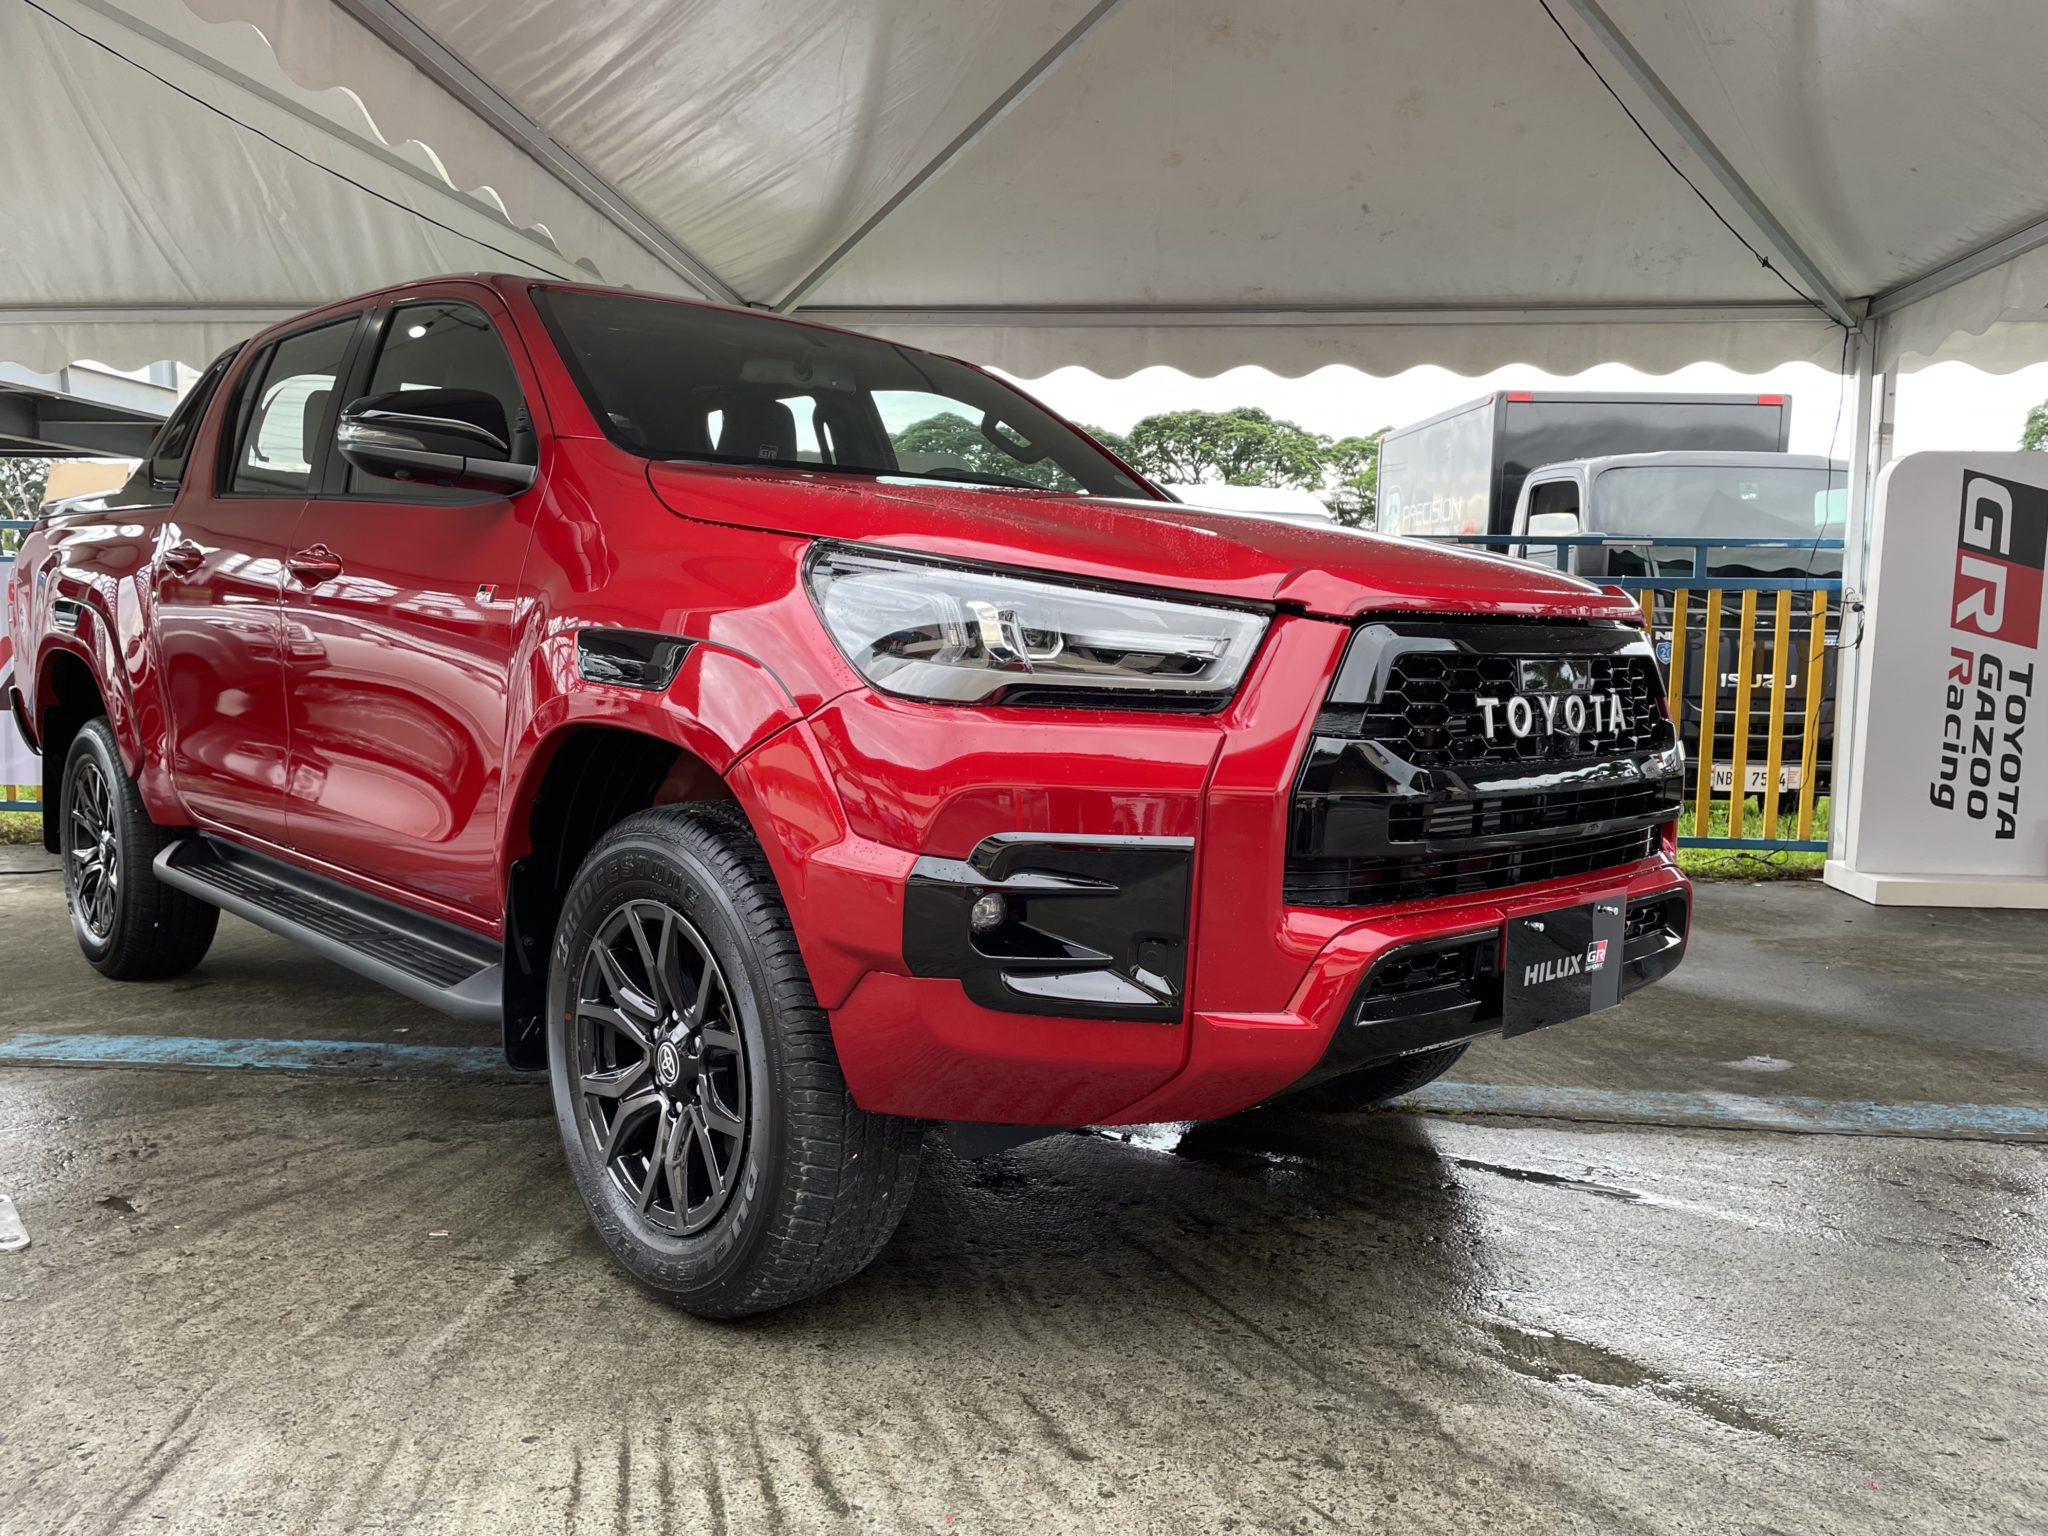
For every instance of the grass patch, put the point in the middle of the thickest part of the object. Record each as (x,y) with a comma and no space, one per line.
(18,827)
(1734,864)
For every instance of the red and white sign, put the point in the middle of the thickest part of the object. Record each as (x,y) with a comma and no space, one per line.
(1946,797)
(18,765)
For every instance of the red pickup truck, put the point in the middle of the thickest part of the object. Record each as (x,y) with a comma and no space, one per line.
(790,740)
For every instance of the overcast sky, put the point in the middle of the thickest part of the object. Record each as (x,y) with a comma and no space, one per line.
(1946,406)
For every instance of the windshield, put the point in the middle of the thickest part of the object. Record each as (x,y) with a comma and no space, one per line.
(1740,502)
(681,381)
(1724,502)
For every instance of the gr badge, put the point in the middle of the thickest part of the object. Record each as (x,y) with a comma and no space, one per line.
(2000,551)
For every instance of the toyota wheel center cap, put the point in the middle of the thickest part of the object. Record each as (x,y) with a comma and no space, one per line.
(668,1064)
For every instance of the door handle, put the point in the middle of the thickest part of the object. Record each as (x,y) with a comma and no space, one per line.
(315,565)
(182,558)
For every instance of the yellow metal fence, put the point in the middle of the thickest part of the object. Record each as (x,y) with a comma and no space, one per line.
(1749,669)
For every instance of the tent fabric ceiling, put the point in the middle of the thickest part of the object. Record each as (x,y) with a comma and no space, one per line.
(126,196)
(1294,184)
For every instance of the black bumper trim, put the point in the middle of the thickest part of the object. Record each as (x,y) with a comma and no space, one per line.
(1095,927)
(1462,1003)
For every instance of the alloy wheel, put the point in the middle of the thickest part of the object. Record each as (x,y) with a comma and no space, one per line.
(660,1067)
(95,851)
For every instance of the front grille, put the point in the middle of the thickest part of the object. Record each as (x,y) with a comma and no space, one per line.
(1432,978)
(1429,711)
(1407,974)
(1555,810)
(1653,917)
(1373,882)
(1407,795)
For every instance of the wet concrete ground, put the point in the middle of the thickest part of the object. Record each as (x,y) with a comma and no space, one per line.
(363,1298)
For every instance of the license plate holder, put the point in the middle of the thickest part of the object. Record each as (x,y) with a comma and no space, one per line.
(1562,964)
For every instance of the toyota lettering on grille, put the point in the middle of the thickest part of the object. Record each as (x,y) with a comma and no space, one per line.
(1553,695)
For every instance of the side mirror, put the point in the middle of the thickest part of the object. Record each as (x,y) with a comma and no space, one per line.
(453,437)
(1552,525)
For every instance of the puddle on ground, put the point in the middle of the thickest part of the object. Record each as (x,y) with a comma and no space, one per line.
(1760,1064)
(1164,1137)
(1554,1180)
(1552,1357)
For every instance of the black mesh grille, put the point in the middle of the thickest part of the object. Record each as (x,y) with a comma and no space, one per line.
(1409,973)
(1410,792)
(1431,715)
(1370,882)
(1429,978)
(1546,810)
(1648,917)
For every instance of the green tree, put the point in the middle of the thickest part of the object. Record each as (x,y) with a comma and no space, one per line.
(21,486)
(1245,446)
(952,439)
(1351,491)
(2034,435)
(1115,442)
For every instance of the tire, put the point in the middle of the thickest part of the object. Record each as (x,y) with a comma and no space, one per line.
(1376,1084)
(784,1187)
(130,925)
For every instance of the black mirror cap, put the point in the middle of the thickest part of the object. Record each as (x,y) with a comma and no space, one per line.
(453,437)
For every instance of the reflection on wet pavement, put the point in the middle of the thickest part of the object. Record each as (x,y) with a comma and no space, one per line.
(239,1307)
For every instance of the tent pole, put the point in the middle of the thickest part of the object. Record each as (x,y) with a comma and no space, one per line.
(1686,126)
(1281,315)
(455,75)
(1869,448)
(1975,263)
(964,140)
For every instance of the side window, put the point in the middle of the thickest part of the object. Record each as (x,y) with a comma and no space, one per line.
(1559,496)
(292,406)
(173,445)
(443,345)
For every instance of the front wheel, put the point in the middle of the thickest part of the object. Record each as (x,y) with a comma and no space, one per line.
(129,924)
(698,1094)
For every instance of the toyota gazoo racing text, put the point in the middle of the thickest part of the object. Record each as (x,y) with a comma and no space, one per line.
(792,741)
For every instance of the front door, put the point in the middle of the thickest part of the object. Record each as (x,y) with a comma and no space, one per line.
(399,615)
(218,575)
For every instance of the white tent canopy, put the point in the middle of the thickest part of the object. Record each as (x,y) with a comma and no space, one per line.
(1111,183)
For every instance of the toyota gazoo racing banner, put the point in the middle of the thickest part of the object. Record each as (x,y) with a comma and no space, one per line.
(18,765)
(1994,652)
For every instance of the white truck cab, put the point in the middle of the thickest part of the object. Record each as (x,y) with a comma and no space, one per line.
(1650,498)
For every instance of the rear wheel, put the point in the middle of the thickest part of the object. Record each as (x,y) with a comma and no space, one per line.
(698,1094)
(1377,1084)
(130,926)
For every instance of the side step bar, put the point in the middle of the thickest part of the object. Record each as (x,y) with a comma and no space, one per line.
(432,962)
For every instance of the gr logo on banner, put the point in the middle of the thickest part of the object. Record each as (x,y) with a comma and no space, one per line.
(2000,554)
(1995,614)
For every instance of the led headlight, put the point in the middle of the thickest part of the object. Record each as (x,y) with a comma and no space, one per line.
(952,633)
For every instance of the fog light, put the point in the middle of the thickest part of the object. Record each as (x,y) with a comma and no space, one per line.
(988,913)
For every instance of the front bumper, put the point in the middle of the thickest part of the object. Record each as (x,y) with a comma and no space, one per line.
(1206,995)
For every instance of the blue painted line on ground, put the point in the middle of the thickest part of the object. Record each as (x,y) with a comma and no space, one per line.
(1522,1101)
(281,1055)
(1777,1113)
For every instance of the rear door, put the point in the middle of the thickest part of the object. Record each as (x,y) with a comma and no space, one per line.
(399,615)
(218,573)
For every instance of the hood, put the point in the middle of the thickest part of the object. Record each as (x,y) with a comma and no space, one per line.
(1332,572)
